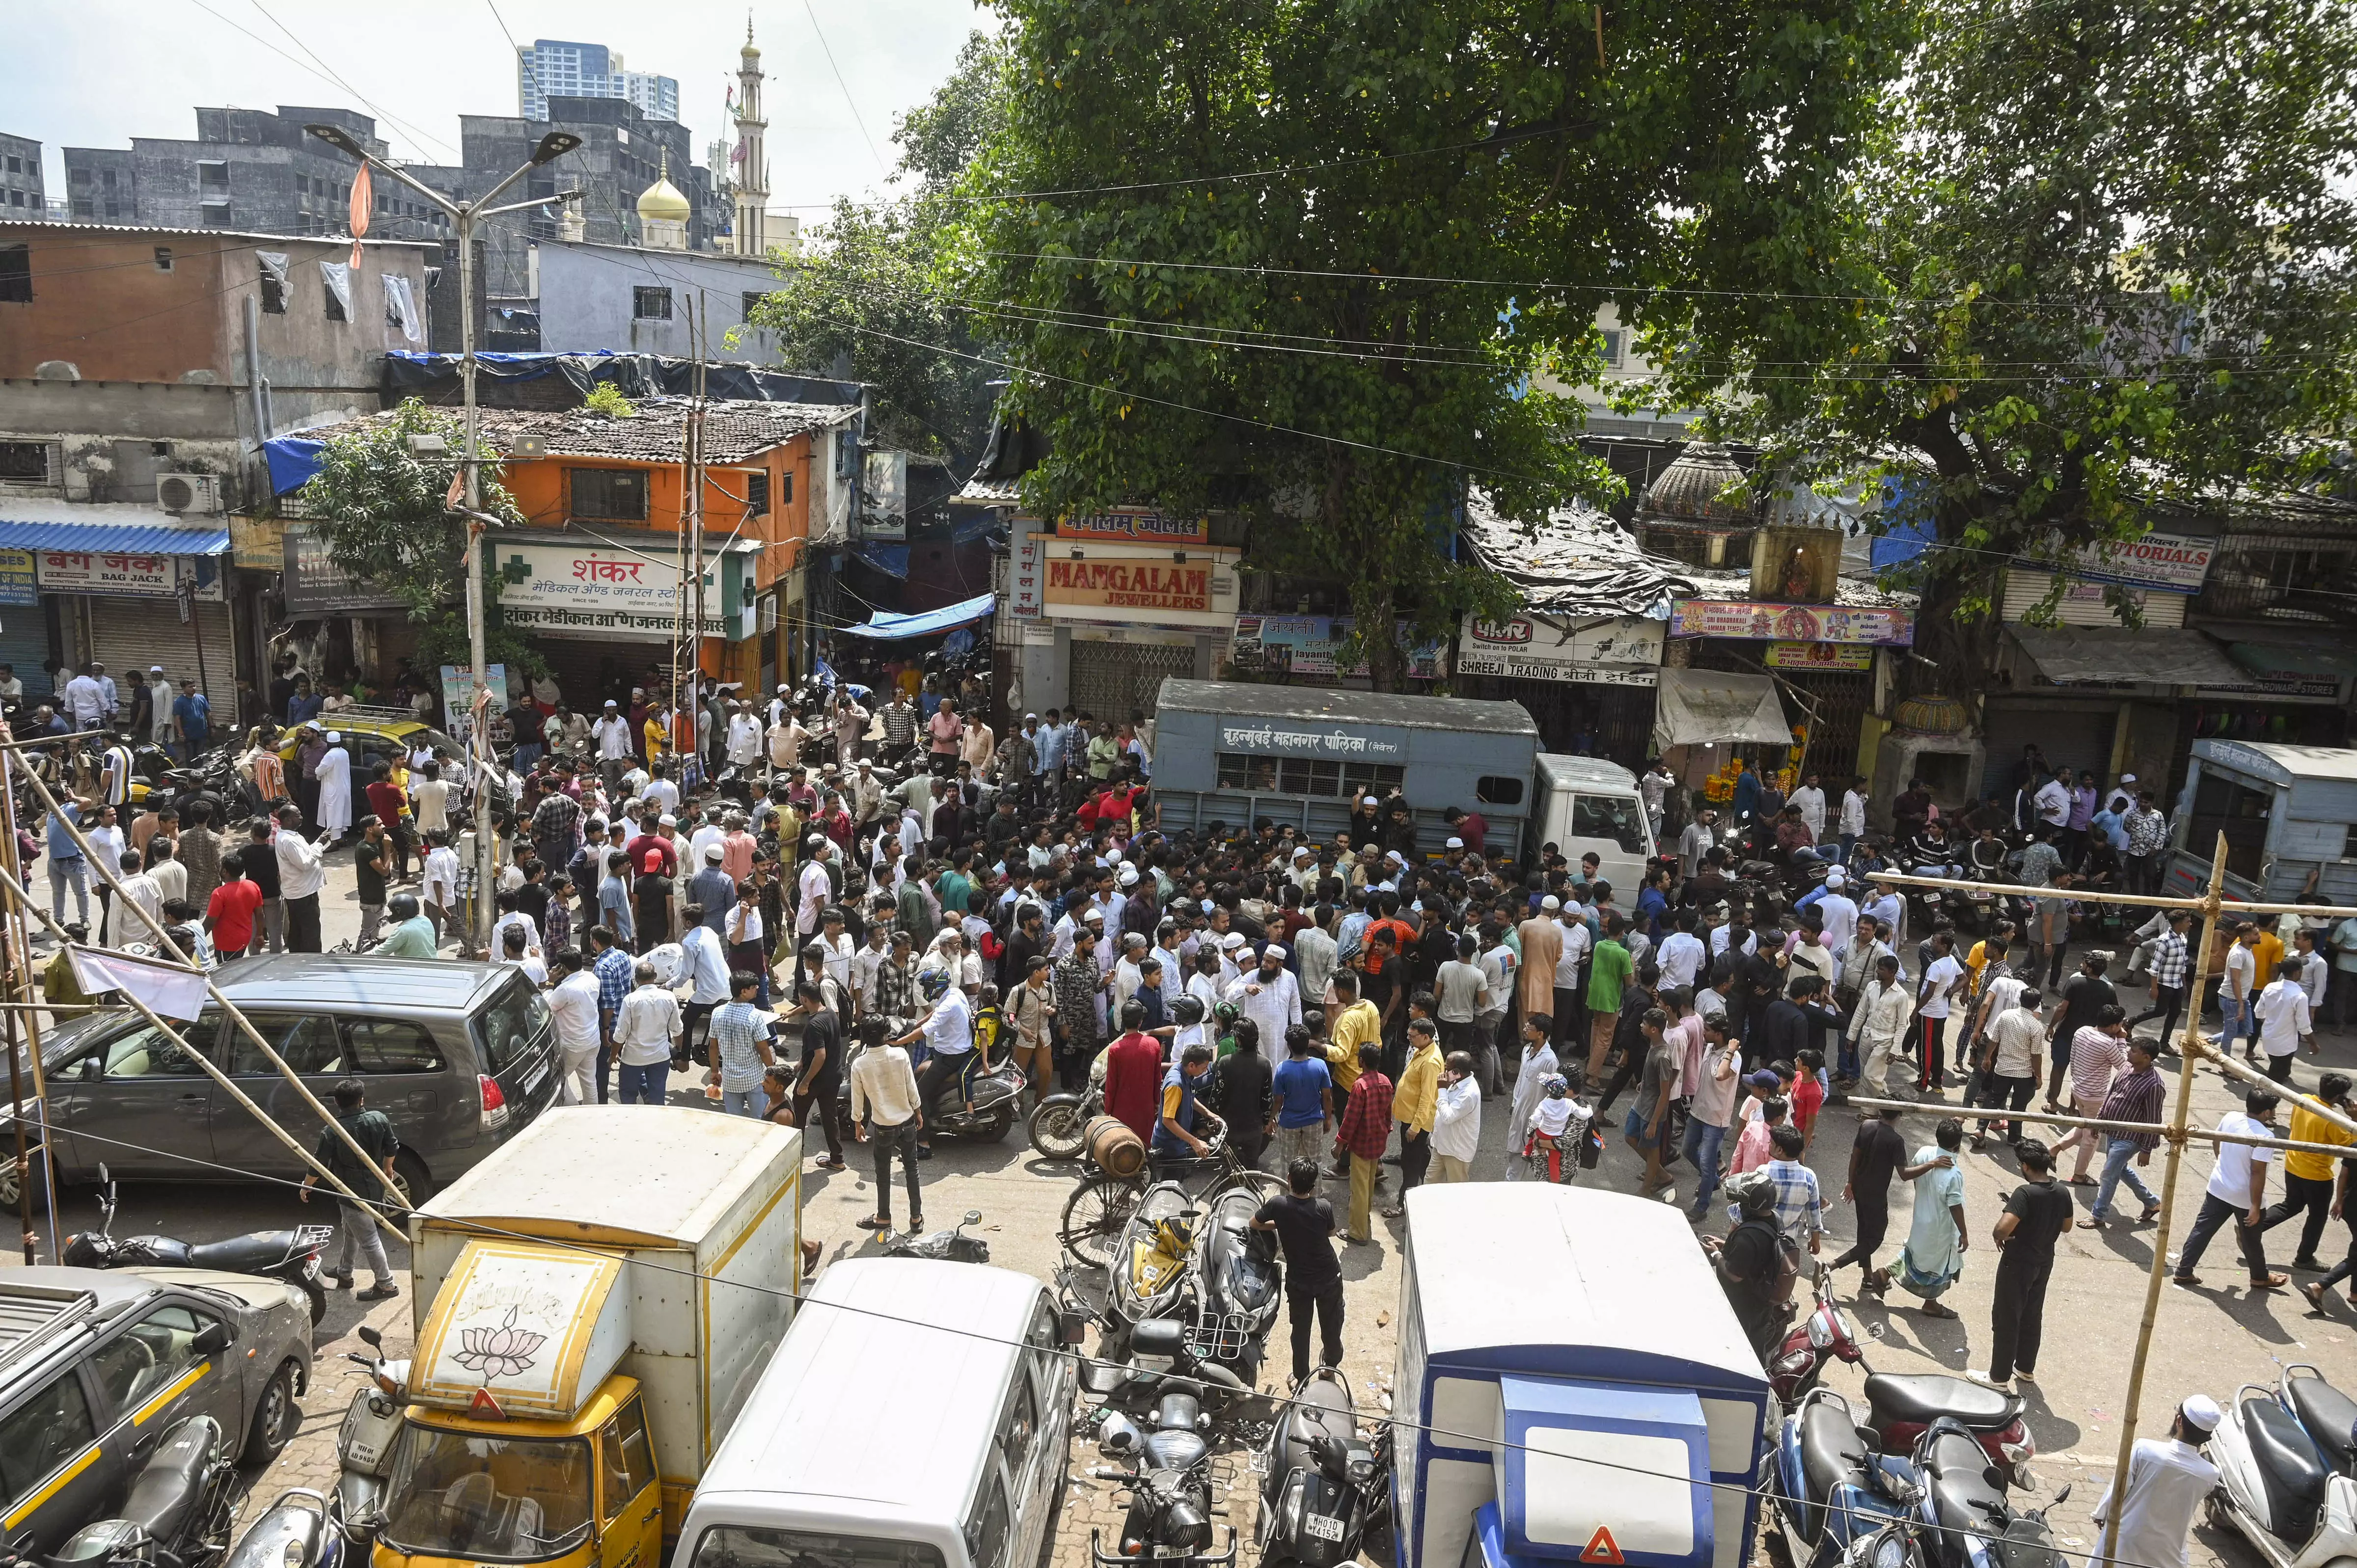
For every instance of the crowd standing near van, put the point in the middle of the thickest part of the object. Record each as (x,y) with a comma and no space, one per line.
(836,907)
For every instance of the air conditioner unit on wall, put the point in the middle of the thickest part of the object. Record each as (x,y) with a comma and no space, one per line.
(187,492)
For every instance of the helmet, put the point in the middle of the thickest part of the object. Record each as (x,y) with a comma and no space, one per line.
(1188,1010)
(1754,1194)
(1226,1012)
(402,906)
(933,982)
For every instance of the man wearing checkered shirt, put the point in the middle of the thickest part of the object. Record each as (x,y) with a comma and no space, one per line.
(2171,963)
(1800,1206)
(613,968)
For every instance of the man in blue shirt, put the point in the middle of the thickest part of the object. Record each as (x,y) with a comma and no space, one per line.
(1047,768)
(611,963)
(192,718)
(1304,1090)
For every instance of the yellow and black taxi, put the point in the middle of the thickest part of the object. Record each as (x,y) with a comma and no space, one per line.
(374,734)
(97,1365)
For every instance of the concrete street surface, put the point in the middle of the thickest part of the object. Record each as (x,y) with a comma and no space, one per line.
(2212,1339)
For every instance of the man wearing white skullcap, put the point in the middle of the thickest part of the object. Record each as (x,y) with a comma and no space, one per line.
(1269,996)
(2168,1479)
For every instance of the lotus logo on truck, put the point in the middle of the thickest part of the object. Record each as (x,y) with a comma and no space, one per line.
(1131,585)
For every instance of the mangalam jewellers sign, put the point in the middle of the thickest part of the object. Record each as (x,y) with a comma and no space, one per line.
(1130,585)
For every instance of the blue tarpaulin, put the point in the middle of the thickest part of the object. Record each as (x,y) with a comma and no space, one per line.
(293,461)
(892,560)
(884,628)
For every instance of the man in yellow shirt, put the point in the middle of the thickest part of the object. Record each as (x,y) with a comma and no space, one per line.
(2308,1179)
(1356,1023)
(1415,1099)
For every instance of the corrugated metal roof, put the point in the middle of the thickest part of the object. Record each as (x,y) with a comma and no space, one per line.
(38,524)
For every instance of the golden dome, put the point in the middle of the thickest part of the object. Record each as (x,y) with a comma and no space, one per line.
(663,202)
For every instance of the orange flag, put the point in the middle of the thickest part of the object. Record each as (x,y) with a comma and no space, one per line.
(363,203)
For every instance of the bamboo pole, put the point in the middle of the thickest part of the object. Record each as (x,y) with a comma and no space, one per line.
(2094,895)
(244,1025)
(2180,1115)
(20,941)
(2126,1129)
(9,884)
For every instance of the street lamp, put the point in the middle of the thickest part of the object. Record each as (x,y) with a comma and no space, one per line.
(551,147)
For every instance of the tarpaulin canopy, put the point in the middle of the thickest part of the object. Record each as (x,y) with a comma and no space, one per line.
(883,627)
(890,559)
(1692,706)
(435,377)
(2335,660)
(292,460)
(1576,561)
(2105,655)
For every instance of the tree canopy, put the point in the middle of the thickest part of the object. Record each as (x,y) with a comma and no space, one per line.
(2097,265)
(1318,264)
(379,506)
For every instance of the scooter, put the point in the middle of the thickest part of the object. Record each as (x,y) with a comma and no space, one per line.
(364,1446)
(1324,1490)
(295,1532)
(2285,1458)
(1827,1485)
(1962,1510)
(1900,1408)
(979,1103)
(290,1255)
(176,1513)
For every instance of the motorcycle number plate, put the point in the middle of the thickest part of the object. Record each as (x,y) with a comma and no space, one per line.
(1174,1551)
(1321,1526)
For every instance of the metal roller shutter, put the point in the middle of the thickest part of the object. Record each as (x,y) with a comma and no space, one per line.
(24,643)
(2074,735)
(128,635)
(1109,679)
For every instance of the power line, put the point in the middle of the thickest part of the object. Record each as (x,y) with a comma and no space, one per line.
(829,51)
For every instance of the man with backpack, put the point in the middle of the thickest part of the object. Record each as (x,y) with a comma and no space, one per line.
(1758,1262)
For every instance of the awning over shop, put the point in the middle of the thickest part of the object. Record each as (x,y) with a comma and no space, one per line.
(2090,655)
(113,538)
(1692,706)
(883,627)
(2332,660)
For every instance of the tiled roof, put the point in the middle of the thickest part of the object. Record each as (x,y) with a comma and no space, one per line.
(733,429)
(66,229)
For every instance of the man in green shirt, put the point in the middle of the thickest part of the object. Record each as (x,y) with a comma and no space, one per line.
(1608,970)
(411,935)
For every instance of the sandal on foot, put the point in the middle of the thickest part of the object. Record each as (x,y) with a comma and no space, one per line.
(870,1223)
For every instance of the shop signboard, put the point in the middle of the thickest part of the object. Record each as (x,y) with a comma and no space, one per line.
(1745,620)
(1027,569)
(1311,738)
(1818,655)
(312,584)
(2168,563)
(1151,585)
(1136,526)
(19,583)
(125,573)
(257,543)
(458,696)
(1588,651)
(583,587)
(1311,646)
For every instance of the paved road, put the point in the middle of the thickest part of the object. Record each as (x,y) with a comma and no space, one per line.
(2211,1339)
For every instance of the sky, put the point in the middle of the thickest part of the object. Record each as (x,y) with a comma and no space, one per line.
(97,72)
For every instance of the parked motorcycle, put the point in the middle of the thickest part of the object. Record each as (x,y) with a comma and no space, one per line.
(1962,1508)
(1827,1487)
(1195,1260)
(178,1512)
(2286,1461)
(1900,1408)
(1059,1124)
(1165,1464)
(1324,1490)
(952,1245)
(290,1255)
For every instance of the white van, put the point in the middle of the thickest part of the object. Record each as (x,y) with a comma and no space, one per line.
(875,1440)
(1586,805)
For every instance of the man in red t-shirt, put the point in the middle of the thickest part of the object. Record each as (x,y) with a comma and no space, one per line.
(650,850)
(1134,1072)
(229,914)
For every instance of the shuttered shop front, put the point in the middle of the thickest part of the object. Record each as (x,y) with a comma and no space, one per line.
(130,634)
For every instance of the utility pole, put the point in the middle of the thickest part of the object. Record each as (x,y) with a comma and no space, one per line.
(482,765)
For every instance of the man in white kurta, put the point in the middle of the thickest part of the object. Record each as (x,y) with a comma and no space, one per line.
(336,788)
